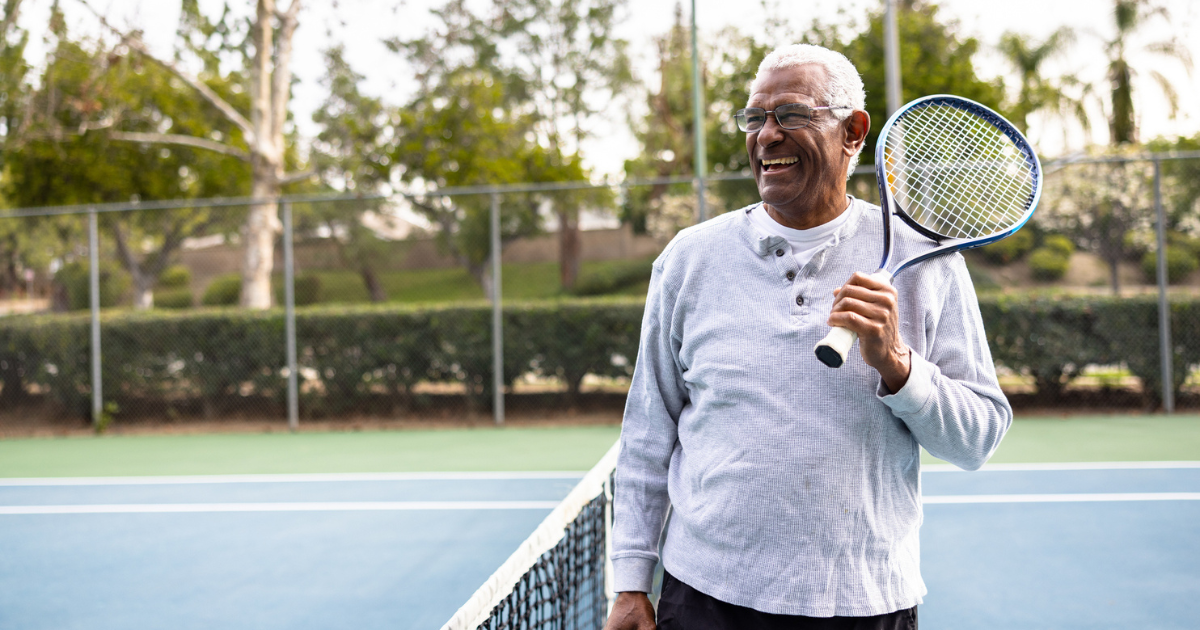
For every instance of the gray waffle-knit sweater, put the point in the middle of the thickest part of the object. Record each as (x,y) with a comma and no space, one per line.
(794,487)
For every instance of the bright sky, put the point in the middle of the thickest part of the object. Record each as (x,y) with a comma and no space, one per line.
(362,24)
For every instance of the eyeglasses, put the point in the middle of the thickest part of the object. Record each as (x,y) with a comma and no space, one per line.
(789,116)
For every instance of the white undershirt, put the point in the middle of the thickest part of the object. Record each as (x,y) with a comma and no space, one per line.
(805,243)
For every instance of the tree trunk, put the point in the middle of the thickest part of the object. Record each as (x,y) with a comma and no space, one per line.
(1114,275)
(483,275)
(569,247)
(371,279)
(258,236)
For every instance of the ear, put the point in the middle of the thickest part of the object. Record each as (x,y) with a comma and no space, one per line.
(856,127)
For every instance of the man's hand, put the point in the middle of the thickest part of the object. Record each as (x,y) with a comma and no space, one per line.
(631,611)
(868,306)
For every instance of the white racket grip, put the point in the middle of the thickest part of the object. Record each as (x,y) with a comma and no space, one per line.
(833,349)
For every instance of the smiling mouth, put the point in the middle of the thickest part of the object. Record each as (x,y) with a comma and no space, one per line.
(778,163)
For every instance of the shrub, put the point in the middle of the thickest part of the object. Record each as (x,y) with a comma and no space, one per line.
(173,298)
(1048,264)
(75,280)
(308,290)
(175,277)
(612,277)
(1010,249)
(1180,263)
(1059,243)
(1181,240)
(365,359)
(224,290)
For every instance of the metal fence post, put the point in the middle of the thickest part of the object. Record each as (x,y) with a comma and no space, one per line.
(698,124)
(94,299)
(497,325)
(1164,306)
(289,308)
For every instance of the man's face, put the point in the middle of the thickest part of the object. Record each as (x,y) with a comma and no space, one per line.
(813,171)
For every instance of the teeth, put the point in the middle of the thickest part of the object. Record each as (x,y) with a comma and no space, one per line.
(783,161)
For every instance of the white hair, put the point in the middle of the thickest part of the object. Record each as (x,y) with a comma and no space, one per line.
(843,85)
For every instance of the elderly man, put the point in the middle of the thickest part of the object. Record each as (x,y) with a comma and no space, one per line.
(794,488)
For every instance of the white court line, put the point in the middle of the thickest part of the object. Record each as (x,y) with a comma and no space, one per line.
(344,506)
(1066,466)
(297,478)
(400,506)
(1060,498)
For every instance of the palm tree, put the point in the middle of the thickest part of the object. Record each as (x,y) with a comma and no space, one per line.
(1128,16)
(1037,93)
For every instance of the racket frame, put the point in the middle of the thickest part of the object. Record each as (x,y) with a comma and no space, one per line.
(834,348)
(946,244)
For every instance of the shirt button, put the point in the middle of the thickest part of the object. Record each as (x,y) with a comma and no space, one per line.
(791,275)
(799,300)
(779,252)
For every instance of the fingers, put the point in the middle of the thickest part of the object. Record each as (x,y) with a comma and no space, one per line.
(864,302)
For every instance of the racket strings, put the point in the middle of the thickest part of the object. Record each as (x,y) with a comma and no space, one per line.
(926,187)
(929,194)
(955,173)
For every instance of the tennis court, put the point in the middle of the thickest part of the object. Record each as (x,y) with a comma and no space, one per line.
(1017,545)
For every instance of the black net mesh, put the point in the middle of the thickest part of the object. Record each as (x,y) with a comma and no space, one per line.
(564,589)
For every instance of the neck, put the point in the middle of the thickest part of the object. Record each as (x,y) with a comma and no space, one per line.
(806,218)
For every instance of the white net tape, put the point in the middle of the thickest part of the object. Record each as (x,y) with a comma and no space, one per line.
(956,174)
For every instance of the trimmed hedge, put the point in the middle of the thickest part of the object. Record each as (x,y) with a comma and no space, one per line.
(351,359)
(366,359)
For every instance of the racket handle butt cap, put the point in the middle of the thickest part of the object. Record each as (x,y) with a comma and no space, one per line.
(833,349)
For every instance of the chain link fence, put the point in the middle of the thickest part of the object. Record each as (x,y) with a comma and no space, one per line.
(127,314)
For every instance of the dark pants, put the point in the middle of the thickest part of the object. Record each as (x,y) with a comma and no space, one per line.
(681,607)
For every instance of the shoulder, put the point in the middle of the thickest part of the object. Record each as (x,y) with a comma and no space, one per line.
(695,244)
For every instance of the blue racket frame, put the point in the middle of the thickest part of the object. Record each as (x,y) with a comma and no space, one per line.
(949,245)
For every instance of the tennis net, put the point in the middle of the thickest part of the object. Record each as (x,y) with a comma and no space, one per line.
(559,578)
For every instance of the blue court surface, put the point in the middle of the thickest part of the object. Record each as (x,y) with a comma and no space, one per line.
(1016,546)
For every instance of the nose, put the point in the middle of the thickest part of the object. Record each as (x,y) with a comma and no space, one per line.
(771,132)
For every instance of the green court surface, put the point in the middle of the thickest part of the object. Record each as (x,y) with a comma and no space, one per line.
(1041,439)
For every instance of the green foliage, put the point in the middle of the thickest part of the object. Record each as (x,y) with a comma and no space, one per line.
(173,298)
(1035,90)
(307,290)
(1010,249)
(370,358)
(353,360)
(934,59)
(223,290)
(1059,244)
(175,277)
(75,280)
(1048,264)
(1180,264)
(1129,17)
(613,277)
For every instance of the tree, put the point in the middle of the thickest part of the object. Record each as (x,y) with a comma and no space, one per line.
(934,59)
(466,133)
(353,153)
(1128,17)
(1035,91)
(475,121)
(666,132)
(68,153)
(260,140)
(571,66)
(1097,205)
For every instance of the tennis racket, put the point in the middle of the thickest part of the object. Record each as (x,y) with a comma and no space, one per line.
(956,172)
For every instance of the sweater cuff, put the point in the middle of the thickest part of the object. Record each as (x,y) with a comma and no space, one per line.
(633,574)
(916,391)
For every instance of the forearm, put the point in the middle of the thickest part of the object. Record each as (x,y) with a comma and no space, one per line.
(958,420)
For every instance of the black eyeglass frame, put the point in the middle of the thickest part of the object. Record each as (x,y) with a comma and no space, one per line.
(743,123)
